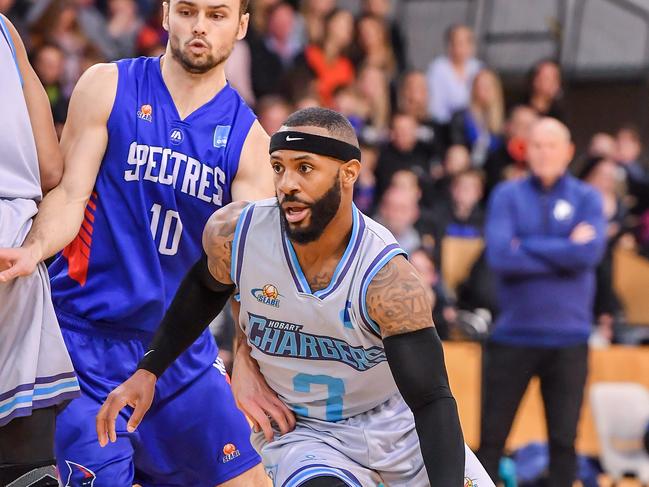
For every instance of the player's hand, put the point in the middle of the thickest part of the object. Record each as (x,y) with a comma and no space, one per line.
(583,233)
(258,401)
(16,262)
(136,392)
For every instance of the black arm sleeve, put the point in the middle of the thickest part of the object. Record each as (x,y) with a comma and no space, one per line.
(417,363)
(199,299)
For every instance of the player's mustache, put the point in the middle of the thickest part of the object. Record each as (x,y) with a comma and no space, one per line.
(291,198)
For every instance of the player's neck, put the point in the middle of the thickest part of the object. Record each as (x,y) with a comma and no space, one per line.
(332,242)
(190,91)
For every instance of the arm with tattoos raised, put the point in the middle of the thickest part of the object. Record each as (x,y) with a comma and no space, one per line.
(400,303)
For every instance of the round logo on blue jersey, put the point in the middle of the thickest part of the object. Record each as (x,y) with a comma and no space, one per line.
(176,136)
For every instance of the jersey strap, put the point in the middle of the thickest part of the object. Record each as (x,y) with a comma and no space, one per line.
(7,35)
(387,254)
(240,233)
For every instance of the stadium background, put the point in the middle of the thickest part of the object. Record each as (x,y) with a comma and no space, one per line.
(384,83)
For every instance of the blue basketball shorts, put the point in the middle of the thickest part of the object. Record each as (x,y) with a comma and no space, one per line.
(192,435)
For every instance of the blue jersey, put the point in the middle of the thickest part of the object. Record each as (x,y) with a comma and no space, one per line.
(160,180)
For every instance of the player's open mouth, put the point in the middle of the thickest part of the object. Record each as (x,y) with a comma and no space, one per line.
(197,46)
(295,213)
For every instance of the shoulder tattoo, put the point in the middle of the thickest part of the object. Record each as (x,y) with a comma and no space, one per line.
(398,300)
(218,238)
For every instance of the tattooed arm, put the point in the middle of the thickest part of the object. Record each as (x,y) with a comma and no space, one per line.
(398,300)
(400,303)
(201,296)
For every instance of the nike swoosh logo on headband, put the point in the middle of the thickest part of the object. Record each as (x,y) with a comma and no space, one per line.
(290,139)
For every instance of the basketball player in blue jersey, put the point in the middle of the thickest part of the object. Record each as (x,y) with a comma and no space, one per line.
(338,320)
(152,147)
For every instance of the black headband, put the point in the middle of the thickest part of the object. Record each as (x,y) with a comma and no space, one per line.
(316,144)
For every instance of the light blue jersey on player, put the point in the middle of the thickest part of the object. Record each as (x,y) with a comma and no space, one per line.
(320,351)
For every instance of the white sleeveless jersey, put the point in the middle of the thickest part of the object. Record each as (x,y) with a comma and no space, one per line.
(320,351)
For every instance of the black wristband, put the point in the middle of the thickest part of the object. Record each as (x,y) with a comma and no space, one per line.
(199,299)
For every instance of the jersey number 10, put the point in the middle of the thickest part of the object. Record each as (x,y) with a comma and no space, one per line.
(168,243)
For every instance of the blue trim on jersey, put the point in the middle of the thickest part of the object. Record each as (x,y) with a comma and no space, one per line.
(7,35)
(377,264)
(67,386)
(296,269)
(243,223)
(287,258)
(358,227)
(311,471)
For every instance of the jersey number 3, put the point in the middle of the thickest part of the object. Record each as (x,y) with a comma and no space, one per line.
(335,392)
(168,242)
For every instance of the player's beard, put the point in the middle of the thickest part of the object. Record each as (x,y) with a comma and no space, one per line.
(199,65)
(322,212)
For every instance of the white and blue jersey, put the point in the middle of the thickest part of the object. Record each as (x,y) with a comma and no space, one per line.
(318,350)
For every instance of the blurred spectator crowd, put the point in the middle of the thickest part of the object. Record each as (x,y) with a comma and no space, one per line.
(434,143)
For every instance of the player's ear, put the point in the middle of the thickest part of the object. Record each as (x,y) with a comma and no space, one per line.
(243,26)
(349,172)
(165,16)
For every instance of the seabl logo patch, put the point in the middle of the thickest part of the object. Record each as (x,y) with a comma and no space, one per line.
(267,295)
(145,113)
(230,452)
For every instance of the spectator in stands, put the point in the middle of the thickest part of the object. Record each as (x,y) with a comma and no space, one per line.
(444,312)
(545,235)
(602,144)
(462,215)
(456,160)
(273,55)
(48,64)
(402,152)
(58,24)
(629,151)
(479,127)
(381,9)
(373,46)
(545,89)
(398,212)
(328,60)
(365,187)
(259,18)
(314,13)
(349,101)
(116,36)
(271,111)
(412,99)
(601,173)
(510,160)
(450,77)
(373,86)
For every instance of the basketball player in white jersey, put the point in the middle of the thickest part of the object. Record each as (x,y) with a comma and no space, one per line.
(338,320)
(36,374)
